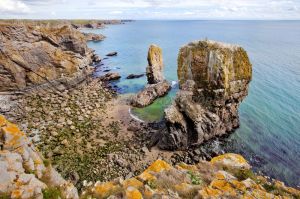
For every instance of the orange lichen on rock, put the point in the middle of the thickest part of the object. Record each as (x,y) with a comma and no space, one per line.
(132,182)
(231,160)
(157,166)
(183,166)
(133,193)
(104,190)
(2,121)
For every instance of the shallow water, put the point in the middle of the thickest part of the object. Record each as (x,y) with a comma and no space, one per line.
(269,134)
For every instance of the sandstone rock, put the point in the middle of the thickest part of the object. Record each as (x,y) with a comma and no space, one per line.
(111,54)
(19,160)
(155,65)
(33,54)
(134,76)
(151,92)
(157,86)
(110,77)
(213,79)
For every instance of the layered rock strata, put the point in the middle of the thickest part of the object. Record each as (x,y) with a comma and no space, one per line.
(24,173)
(32,55)
(157,85)
(213,80)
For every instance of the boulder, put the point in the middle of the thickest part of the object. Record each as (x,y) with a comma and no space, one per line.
(134,76)
(150,93)
(111,54)
(110,77)
(157,86)
(213,80)
(154,71)
(32,55)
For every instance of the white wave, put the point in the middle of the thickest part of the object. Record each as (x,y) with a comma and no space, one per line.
(173,83)
(134,117)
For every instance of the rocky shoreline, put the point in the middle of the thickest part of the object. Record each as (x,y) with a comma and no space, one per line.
(80,125)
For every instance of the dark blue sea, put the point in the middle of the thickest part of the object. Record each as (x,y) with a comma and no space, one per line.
(269,135)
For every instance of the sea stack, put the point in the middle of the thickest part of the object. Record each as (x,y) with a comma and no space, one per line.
(213,80)
(155,67)
(157,85)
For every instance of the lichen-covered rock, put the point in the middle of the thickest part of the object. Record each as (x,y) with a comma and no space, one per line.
(33,54)
(226,176)
(23,173)
(213,79)
(155,67)
(157,86)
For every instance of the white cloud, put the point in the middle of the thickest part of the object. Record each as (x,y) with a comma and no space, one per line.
(13,7)
(154,9)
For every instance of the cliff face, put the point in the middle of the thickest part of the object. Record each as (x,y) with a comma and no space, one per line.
(31,54)
(213,79)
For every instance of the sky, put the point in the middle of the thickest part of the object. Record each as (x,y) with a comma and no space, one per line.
(151,9)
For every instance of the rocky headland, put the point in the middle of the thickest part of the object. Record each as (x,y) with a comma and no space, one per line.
(70,136)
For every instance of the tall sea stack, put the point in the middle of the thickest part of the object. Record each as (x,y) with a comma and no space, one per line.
(213,80)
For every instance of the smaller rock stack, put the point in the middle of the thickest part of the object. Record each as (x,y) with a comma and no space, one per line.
(213,79)
(157,85)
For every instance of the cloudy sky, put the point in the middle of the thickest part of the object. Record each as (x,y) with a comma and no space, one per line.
(150,9)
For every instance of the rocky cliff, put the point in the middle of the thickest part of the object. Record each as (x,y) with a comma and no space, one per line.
(213,79)
(24,173)
(33,55)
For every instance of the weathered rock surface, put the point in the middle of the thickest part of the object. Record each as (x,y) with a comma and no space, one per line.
(33,55)
(24,173)
(150,93)
(213,79)
(134,76)
(110,76)
(157,86)
(94,37)
(225,176)
(154,71)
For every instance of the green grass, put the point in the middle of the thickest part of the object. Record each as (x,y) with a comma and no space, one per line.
(194,178)
(51,193)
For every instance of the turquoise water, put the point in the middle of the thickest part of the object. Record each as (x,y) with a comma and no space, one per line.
(269,134)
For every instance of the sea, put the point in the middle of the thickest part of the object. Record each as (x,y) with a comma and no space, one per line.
(269,132)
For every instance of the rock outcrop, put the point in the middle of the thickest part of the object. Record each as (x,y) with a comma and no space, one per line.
(110,76)
(150,93)
(213,80)
(32,55)
(24,173)
(157,85)
(225,176)
(155,65)
(94,37)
